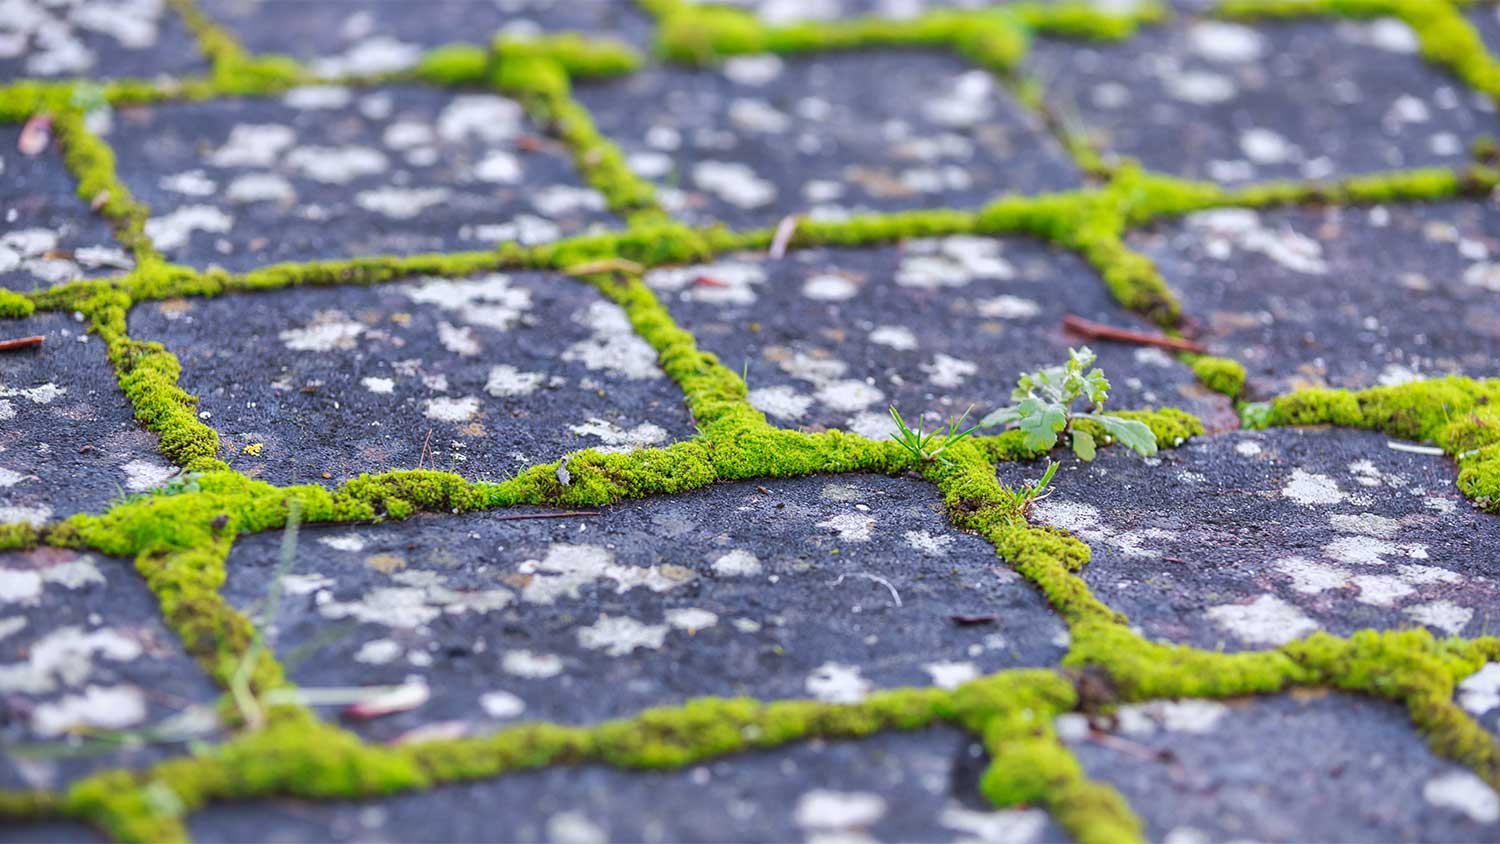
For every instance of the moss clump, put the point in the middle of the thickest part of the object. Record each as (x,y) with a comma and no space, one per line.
(14,305)
(1457,413)
(1222,375)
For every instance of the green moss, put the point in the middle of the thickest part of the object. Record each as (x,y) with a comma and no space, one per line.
(14,305)
(1222,375)
(1456,413)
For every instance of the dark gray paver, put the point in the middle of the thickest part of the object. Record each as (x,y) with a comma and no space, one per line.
(1343,297)
(47,234)
(765,136)
(60,832)
(788,592)
(333,172)
(341,37)
(82,649)
(890,787)
(831,338)
(483,376)
(1235,103)
(1486,19)
(68,439)
(97,39)
(1253,539)
(1311,767)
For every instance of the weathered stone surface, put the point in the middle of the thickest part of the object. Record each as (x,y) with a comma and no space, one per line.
(47,234)
(1251,540)
(483,376)
(88,674)
(1236,103)
(339,37)
(332,172)
(890,787)
(95,39)
(832,338)
(841,133)
(825,587)
(68,439)
(1309,767)
(1341,297)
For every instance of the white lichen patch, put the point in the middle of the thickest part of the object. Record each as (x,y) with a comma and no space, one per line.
(617,439)
(1464,792)
(172,231)
(1226,229)
(737,563)
(834,682)
(832,811)
(620,635)
(329,330)
(1267,620)
(613,346)
(1311,489)
(490,301)
(951,675)
(780,402)
(565,570)
(532,665)
(449,409)
(850,527)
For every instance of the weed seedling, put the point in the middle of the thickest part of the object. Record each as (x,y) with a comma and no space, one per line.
(1037,490)
(1043,409)
(929,447)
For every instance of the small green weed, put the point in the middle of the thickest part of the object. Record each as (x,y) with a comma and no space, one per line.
(929,447)
(1043,409)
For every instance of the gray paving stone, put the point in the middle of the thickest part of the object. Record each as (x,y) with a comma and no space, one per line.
(82,651)
(825,587)
(1252,539)
(68,439)
(1343,297)
(95,39)
(47,234)
(483,376)
(340,37)
(1486,19)
(331,172)
(831,338)
(1236,103)
(1315,767)
(829,136)
(57,832)
(889,787)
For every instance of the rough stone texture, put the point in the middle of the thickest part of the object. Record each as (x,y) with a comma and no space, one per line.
(891,787)
(1486,19)
(97,39)
(47,833)
(331,172)
(832,338)
(1342,297)
(339,37)
(82,651)
(842,133)
(68,439)
(47,234)
(504,371)
(1306,767)
(791,592)
(1251,540)
(1236,103)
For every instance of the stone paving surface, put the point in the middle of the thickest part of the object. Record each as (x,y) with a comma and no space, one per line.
(732,559)
(1236,103)
(1413,287)
(327,172)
